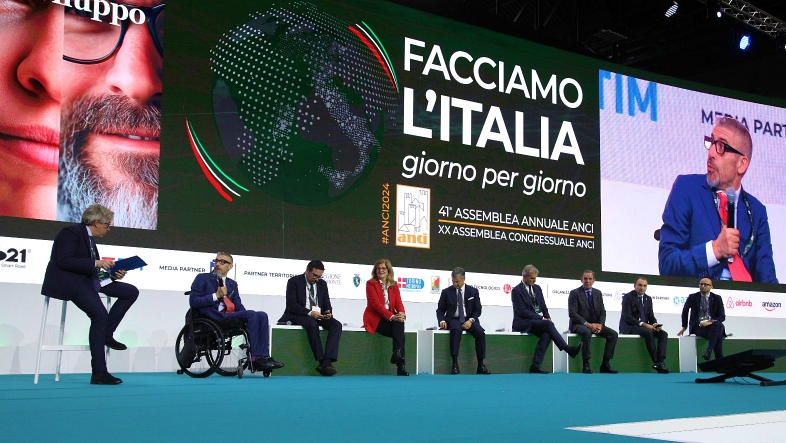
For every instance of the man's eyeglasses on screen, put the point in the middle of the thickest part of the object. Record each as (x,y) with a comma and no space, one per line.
(87,41)
(720,147)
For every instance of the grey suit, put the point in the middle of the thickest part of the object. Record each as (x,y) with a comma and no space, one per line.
(580,313)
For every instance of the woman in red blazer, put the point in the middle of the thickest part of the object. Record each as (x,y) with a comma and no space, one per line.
(385,311)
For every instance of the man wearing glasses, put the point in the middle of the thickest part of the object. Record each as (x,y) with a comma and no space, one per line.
(111,114)
(216,297)
(711,226)
(308,305)
(707,315)
(76,272)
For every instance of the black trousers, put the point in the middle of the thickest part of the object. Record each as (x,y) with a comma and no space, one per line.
(394,330)
(649,337)
(546,332)
(103,324)
(311,326)
(476,331)
(609,334)
(713,333)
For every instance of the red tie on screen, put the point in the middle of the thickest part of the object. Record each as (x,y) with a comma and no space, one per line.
(736,267)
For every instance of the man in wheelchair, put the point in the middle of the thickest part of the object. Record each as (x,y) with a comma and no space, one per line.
(217,298)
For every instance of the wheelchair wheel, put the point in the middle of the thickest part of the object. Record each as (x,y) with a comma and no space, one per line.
(236,350)
(209,340)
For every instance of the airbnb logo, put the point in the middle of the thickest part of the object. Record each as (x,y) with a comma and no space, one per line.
(730,303)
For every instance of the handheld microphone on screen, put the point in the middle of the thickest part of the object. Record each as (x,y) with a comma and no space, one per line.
(731,194)
(220,281)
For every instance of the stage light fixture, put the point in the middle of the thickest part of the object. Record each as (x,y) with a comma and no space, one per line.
(745,42)
(672,9)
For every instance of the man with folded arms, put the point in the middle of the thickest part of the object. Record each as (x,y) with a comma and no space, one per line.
(531,315)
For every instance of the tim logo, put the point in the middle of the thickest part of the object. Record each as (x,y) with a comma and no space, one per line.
(770,305)
(730,303)
(506,288)
(356,280)
(435,285)
(413,217)
(410,284)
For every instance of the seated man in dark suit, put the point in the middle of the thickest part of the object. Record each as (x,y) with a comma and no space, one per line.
(76,272)
(216,297)
(462,316)
(587,316)
(707,315)
(313,311)
(638,318)
(530,315)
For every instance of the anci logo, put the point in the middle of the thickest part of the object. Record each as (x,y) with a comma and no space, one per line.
(435,285)
(770,305)
(356,280)
(410,284)
(506,288)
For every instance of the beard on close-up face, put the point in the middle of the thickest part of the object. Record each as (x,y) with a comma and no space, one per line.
(110,155)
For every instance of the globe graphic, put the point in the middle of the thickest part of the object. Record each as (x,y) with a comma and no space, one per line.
(302,103)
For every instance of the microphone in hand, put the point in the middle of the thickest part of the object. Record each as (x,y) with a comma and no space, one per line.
(731,194)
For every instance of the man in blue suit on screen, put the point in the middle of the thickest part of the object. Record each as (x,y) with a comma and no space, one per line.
(216,297)
(711,226)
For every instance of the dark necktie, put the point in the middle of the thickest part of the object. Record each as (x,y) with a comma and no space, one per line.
(593,314)
(460,301)
(642,312)
(535,305)
(94,255)
(705,308)
(736,265)
(311,298)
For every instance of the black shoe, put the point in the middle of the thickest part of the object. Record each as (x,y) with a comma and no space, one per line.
(661,368)
(586,369)
(574,350)
(536,369)
(267,364)
(114,344)
(482,369)
(707,355)
(327,371)
(454,370)
(396,358)
(401,370)
(606,369)
(104,378)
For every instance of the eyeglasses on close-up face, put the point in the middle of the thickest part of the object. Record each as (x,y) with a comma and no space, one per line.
(720,147)
(87,41)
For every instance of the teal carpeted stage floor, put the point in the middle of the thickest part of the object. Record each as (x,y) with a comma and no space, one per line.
(163,407)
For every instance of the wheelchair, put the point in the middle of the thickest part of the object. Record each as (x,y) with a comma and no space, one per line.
(220,347)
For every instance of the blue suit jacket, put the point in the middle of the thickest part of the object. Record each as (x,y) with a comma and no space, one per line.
(70,263)
(631,312)
(201,298)
(447,304)
(690,220)
(523,310)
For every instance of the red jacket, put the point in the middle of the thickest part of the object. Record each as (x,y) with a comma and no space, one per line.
(375,305)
